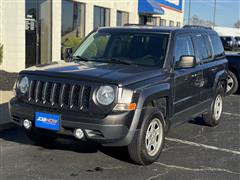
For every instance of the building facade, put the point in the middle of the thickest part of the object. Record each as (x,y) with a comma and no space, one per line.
(41,31)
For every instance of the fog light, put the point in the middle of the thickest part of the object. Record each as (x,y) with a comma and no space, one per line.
(78,133)
(27,124)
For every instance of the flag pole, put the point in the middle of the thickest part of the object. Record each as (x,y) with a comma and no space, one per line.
(189,12)
(214,13)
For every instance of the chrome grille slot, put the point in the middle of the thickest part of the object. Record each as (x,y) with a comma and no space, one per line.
(31,90)
(85,97)
(47,89)
(74,96)
(66,95)
(38,91)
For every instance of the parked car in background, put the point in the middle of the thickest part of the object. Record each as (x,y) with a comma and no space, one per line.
(125,86)
(229,43)
(238,41)
(233,73)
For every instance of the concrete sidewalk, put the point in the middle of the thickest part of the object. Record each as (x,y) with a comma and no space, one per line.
(5,123)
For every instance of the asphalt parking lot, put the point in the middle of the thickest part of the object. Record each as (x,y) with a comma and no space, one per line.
(192,151)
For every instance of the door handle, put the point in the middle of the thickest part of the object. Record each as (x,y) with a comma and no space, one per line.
(196,75)
(214,69)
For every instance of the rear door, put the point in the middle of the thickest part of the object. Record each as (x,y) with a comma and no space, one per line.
(187,90)
(205,57)
(210,51)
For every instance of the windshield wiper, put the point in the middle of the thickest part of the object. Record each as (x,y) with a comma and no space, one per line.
(104,60)
(80,58)
(120,61)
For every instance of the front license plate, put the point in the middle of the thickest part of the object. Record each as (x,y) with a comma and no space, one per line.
(47,121)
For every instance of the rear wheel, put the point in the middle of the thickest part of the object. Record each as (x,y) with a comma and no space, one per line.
(41,139)
(213,116)
(232,83)
(147,144)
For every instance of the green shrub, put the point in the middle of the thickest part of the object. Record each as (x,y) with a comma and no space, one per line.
(1,54)
(72,42)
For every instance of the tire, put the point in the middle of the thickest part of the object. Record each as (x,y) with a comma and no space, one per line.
(41,139)
(137,149)
(232,83)
(213,116)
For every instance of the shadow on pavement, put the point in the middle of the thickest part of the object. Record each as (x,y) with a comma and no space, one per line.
(67,143)
(4,117)
(198,121)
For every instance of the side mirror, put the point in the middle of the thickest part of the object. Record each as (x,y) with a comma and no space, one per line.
(186,62)
(68,53)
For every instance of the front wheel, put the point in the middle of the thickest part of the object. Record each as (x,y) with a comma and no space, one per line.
(212,118)
(147,144)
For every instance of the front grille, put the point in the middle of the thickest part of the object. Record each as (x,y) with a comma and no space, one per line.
(60,95)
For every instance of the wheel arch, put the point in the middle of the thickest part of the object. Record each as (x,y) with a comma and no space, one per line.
(157,98)
(221,77)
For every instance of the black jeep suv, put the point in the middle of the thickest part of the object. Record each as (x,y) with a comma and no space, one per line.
(125,86)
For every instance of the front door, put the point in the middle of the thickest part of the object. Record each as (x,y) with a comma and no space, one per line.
(38,32)
(188,87)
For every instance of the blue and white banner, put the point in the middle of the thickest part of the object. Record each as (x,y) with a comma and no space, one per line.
(156,6)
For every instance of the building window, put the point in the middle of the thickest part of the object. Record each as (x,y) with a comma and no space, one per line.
(73,25)
(101,17)
(163,22)
(148,20)
(171,23)
(122,18)
(178,24)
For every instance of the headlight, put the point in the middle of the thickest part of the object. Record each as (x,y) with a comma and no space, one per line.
(23,85)
(105,95)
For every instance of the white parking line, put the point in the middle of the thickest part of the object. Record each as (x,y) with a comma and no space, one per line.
(231,114)
(202,168)
(203,145)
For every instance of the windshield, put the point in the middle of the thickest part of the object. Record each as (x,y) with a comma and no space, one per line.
(131,48)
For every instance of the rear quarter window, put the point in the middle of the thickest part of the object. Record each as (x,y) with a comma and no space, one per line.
(217,46)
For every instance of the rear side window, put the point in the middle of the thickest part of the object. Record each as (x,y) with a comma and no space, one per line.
(183,47)
(217,46)
(203,49)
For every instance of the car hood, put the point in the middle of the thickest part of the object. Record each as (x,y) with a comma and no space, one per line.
(119,74)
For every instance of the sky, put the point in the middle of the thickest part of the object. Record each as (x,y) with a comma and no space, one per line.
(227,11)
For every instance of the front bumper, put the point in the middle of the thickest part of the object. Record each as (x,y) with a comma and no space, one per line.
(114,129)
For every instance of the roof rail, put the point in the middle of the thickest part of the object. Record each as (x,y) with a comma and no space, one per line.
(197,27)
(130,24)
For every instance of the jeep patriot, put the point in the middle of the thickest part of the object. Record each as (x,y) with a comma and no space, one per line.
(125,86)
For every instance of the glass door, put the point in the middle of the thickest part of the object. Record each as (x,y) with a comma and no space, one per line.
(38,32)
(31,33)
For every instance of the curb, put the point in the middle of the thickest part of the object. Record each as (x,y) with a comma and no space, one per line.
(6,126)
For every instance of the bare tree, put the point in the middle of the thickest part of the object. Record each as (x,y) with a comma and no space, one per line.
(195,20)
(237,24)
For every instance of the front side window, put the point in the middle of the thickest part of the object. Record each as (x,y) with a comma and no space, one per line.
(73,25)
(131,48)
(183,47)
(101,17)
(122,18)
